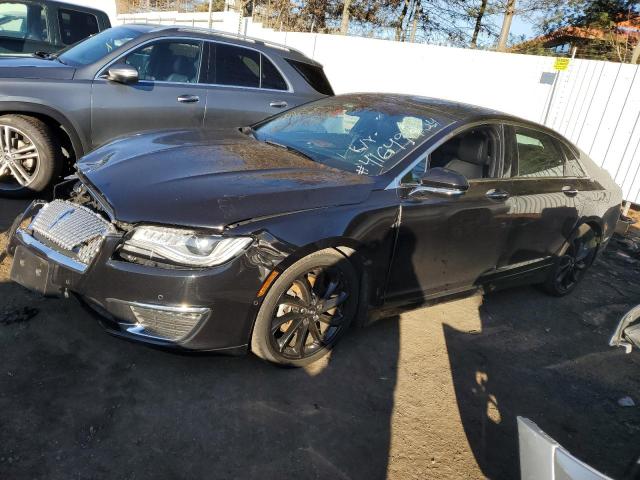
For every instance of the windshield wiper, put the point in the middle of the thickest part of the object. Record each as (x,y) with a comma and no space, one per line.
(290,149)
(248,131)
(47,55)
(41,54)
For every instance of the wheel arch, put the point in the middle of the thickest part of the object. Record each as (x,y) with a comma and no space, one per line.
(350,249)
(596,225)
(593,223)
(51,117)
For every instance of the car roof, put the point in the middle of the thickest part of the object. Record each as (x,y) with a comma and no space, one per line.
(240,40)
(458,113)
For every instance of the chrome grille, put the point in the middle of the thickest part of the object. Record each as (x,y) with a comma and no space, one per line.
(77,230)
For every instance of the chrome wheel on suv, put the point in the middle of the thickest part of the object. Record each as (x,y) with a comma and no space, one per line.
(28,156)
(19,158)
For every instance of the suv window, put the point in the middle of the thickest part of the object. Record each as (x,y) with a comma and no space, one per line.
(242,67)
(270,76)
(313,75)
(76,26)
(93,48)
(27,22)
(539,155)
(236,66)
(167,61)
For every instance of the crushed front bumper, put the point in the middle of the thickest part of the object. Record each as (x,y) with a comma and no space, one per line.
(193,309)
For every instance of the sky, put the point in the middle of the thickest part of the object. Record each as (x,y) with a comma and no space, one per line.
(522,26)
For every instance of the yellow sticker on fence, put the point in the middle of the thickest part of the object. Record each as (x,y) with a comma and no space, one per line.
(561,64)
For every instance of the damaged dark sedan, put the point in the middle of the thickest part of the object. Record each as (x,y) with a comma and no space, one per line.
(276,237)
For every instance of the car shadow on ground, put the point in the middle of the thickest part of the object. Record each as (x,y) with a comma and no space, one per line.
(76,401)
(548,359)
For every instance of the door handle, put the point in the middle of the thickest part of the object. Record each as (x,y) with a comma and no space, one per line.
(494,194)
(281,104)
(188,98)
(569,191)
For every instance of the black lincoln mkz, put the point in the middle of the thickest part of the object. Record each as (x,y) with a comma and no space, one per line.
(275,237)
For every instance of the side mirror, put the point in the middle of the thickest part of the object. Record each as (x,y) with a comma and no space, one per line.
(122,73)
(441,181)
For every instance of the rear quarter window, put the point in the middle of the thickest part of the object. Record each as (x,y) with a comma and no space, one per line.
(271,77)
(572,167)
(313,75)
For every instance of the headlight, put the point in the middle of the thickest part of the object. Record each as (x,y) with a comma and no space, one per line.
(183,247)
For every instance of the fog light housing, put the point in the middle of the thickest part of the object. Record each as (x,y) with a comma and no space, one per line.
(174,324)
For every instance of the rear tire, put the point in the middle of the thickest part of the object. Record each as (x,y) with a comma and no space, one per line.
(30,156)
(570,267)
(307,310)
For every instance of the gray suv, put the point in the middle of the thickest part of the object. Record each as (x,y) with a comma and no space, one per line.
(134,78)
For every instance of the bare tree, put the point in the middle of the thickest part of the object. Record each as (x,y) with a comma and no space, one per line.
(344,24)
(506,25)
(478,26)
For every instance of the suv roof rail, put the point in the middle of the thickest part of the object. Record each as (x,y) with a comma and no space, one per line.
(235,36)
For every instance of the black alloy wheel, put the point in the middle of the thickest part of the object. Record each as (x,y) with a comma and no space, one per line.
(307,310)
(573,263)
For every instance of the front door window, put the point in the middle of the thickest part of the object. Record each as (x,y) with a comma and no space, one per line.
(168,61)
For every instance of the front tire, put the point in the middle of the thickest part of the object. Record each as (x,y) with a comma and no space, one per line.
(29,156)
(573,263)
(306,310)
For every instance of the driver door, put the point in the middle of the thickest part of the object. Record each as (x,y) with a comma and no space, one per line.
(446,243)
(167,95)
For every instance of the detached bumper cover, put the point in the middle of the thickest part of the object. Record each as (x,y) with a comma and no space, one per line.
(542,458)
(213,308)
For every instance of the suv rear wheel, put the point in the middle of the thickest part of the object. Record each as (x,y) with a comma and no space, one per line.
(29,158)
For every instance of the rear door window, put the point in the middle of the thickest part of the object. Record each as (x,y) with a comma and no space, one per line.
(76,26)
(236,66)
(539,155)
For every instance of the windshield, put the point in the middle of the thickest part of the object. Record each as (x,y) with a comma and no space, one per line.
(94,48)
(360,134)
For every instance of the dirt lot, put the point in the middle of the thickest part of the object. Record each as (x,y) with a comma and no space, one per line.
(431,394)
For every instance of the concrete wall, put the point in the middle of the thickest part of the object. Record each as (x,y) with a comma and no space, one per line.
(595,104)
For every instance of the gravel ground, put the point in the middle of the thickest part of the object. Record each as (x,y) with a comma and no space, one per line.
(433,393)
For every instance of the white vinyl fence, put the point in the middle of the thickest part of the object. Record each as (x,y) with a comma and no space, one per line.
(595,104)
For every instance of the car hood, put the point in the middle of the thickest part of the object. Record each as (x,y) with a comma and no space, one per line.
(34,67)
(209,179)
